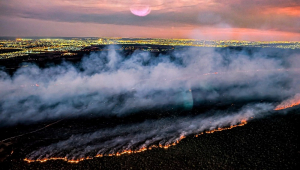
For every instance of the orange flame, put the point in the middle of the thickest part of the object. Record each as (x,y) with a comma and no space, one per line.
(289,103)
(166,146)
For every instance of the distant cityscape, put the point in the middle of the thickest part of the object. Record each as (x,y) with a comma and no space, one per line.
(10,48)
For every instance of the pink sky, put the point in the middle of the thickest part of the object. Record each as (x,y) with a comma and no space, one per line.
(201,19)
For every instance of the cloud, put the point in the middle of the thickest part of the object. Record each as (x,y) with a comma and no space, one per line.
(237,14)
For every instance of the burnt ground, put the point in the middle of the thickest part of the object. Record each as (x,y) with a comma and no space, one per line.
(268,143)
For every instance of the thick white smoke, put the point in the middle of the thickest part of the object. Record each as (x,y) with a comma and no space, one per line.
(109,83)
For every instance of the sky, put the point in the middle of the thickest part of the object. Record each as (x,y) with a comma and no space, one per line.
(255,20)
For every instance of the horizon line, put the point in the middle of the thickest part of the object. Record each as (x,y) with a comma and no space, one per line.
(50,37)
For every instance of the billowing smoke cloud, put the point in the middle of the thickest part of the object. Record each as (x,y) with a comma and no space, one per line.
(110,83)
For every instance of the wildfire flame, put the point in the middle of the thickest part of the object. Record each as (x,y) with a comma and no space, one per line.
(289,103)
(165,146)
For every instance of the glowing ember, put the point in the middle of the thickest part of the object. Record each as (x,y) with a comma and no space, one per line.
(165,146)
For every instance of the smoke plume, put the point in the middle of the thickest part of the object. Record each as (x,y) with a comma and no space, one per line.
(141,136)
(112,84)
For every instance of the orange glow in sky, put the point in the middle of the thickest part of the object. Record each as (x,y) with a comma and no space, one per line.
(202,19)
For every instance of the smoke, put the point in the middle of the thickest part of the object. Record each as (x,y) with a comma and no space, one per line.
(291,102)
(135,137)
(110,83)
